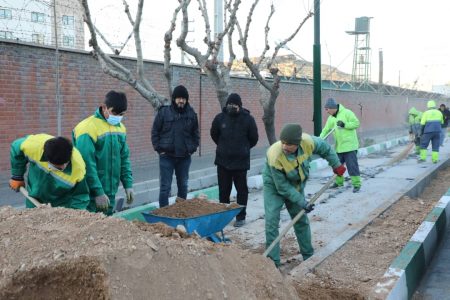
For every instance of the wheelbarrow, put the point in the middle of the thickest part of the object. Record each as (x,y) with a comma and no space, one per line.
(207,226)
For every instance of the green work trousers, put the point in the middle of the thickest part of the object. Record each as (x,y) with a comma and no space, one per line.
(273,203)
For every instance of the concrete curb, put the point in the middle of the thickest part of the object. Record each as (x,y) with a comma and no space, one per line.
(404,274)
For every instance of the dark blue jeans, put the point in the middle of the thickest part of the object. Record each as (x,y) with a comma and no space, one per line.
(168,164)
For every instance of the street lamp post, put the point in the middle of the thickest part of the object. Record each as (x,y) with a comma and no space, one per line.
(317,92)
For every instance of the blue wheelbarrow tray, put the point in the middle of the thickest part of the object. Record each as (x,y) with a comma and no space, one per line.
(205,225)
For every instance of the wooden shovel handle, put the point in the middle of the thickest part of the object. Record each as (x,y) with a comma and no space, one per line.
(299,215)
(34,201)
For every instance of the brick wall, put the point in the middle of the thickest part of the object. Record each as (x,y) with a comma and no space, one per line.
(28,105)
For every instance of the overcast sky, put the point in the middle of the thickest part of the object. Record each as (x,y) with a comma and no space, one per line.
(413,34)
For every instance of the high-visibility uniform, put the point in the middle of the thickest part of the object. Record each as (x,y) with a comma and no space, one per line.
(284,180)
(65,188)
(431,123)
(347,143)
(105,150)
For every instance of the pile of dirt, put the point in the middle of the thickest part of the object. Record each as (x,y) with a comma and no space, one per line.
(192,208)
(49,253)
(361,263)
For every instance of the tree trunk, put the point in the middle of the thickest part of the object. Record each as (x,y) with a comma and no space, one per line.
(269,118)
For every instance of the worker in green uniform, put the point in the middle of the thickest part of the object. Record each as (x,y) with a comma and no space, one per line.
(430,131)
(414,117)
(344,123)
(102,141)
(284,176)
(56,171)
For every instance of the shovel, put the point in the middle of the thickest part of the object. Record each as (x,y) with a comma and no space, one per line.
(32,200)
(299,215)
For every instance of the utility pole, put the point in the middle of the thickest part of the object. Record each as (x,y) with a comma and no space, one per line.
(58,98)
(218,24)
(317,92)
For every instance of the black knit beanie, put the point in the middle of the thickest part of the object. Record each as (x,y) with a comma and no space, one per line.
(291,134)
(234,99)
(180,92)
(116,100)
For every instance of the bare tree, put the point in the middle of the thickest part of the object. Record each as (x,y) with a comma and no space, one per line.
(112,67)
(269,89)
(217,71)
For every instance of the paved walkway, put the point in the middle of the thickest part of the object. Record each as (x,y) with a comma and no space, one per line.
(436,282)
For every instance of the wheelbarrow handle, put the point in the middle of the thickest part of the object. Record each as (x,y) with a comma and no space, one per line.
(299,215)
(32,200)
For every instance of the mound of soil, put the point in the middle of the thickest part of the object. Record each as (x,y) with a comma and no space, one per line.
(57,253)
(192,208)
(353,271)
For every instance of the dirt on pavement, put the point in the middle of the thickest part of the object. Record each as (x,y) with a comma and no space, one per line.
(57,253)
(353,271)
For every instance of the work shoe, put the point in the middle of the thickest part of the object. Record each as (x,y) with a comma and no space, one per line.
(356,189)
(239,223)
(335,186)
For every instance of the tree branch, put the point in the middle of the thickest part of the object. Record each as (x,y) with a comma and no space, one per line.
(115,69)
(282,43)
(167,50)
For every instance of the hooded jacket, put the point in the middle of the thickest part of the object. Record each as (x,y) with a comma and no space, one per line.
(346,138)
(234,137)
(175,132)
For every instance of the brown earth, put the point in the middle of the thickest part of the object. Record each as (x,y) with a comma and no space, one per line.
(192,208)
(57,253)
(353,271)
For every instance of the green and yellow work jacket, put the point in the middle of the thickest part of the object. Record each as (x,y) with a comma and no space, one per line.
(414,117)
(104,149)
(288,176)
(66,188)
(346,138)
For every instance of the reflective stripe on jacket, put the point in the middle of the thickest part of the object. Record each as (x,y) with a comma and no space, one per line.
(59,188)
(105,150)
(289,177)
(432,120)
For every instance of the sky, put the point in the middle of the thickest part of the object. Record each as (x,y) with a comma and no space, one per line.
(411,33)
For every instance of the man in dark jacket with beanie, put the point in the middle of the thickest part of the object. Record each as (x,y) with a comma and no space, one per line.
(234,131)
(175,136)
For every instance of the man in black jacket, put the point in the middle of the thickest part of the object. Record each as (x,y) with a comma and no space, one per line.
(175,136)
(446,113)
(234,131)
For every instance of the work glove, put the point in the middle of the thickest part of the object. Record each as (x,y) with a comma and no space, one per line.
(339,170)
(16,182)
(130,195)
(309,207)
(102,202)
(340,124)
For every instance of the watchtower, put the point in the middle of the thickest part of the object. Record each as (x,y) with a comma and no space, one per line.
(362,50)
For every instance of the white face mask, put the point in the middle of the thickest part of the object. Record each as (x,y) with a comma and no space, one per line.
(114,120)
(52,167)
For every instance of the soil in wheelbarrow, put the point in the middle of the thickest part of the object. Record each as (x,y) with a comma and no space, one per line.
(193,208)
(57,253)
(353,271)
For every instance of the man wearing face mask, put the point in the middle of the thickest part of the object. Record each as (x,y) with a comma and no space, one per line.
(56,171)
(102,141)
(175,136)
(235,132)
